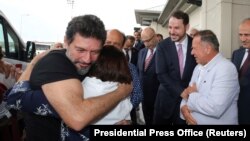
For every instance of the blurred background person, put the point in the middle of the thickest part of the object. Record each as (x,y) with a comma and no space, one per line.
(130,52)
(193,31)
(58,45)
(9,73)
(138,43)
(159,37)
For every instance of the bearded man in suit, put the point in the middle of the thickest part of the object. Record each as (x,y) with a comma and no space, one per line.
(174,68)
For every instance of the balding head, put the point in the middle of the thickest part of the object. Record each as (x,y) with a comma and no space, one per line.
(147,33)
(58,45)
(244,33)
(149,38)
(115,38)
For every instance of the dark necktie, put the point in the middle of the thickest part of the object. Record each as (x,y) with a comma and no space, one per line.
(246,64)
(147,61)
(126,54)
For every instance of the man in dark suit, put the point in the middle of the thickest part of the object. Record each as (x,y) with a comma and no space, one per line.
(174,68)
(138,42)
(130,52)
(147,73)
(241,59)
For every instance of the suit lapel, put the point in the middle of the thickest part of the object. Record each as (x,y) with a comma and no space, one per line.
(188,58)
(240,58)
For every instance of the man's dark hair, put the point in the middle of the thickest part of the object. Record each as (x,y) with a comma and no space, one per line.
(181,15)
(111,65)
(159,35)
(132,38)
(209,37)
(86,26)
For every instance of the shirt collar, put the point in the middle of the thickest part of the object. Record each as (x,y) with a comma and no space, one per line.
(212,62)
(184,42)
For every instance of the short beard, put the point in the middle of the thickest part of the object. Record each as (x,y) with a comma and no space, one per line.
(83,71)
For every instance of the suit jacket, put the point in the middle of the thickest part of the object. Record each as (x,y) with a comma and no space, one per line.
(168,73)
(244,96)
(134,56)
(149,83)
(139,45)
(215,101)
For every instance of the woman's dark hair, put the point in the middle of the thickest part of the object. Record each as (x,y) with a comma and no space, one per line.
(111,65)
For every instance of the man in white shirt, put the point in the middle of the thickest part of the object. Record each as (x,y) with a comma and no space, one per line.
(213,91)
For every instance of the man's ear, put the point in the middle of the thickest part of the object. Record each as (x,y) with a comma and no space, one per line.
(208,48)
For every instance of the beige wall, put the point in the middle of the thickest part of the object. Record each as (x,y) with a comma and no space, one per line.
(223,17)
(160,29)
(195,19)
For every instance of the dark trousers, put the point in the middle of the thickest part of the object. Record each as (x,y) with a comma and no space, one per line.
(148,112)
(133,116)
(174,119)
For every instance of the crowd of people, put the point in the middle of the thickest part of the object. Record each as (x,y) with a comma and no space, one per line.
(105,77)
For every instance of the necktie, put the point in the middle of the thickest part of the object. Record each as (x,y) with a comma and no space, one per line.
(246,64)
(147,61)
(126,54)
(180,57)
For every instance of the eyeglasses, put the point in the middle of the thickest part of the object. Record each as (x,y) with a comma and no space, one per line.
(148,40)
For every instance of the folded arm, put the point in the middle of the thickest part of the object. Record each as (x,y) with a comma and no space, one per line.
(221,90)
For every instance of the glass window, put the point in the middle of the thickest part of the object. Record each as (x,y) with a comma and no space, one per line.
(13,42)
(9,40)
(2,37)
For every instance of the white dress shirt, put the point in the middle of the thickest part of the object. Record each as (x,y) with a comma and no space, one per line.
(244,57)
